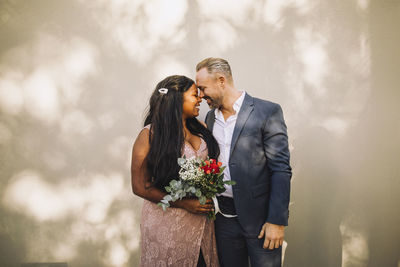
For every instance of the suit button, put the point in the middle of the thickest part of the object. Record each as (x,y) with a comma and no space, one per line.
(232,164)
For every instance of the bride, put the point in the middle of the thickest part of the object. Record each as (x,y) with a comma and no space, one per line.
(182,235)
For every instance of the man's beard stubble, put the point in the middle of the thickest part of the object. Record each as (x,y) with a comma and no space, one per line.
(214,103)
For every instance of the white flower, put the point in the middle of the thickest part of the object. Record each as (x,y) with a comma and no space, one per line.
(190,169)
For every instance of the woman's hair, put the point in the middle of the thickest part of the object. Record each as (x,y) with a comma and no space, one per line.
(166,131)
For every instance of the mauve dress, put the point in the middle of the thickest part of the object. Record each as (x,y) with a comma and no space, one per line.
(174,237)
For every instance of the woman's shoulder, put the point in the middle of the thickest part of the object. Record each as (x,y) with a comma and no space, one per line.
(144,133)
(196,120)
(203,123)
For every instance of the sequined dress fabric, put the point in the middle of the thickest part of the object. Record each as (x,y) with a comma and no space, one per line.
(174,237)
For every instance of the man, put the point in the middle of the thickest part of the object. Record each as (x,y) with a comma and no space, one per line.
(253,142)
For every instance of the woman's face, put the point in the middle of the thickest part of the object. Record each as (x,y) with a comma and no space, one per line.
(191,102)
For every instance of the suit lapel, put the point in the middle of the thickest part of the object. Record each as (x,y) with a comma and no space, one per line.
(210,119)
(244,113)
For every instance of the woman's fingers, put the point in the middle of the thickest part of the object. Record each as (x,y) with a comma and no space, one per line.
(194,206)
(206,208)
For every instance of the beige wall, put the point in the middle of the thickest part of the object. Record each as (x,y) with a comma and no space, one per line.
(75,78)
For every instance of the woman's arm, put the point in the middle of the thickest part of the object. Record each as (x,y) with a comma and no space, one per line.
(141,182)
(139,174)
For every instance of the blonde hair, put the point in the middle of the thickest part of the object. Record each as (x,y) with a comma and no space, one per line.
(214,65)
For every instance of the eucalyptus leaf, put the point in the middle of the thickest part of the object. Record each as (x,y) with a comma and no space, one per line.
(192,189)
(198,193)
(202,200)
(181,161)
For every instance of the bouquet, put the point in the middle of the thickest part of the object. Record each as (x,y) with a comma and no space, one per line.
(200,178)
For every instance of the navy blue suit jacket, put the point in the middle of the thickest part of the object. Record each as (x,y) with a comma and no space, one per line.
(259,164)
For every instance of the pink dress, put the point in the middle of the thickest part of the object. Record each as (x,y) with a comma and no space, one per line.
(174,237)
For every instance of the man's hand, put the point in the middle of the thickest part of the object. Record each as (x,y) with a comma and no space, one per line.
(273,235)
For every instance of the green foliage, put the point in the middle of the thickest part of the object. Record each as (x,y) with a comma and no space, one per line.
(203,187)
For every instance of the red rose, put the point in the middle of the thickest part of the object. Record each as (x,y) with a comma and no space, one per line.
(214,167)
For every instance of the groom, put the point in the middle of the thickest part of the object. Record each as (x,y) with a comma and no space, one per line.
(253,142)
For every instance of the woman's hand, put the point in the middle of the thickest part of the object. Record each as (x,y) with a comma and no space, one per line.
(193,205)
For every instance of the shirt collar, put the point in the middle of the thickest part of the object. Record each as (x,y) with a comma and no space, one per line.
(238,103)
(236,106)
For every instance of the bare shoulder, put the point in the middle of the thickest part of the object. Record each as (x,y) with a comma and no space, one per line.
(141,145)
(203,123)
(144,134)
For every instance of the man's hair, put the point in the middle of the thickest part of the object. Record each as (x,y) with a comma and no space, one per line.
(214,65)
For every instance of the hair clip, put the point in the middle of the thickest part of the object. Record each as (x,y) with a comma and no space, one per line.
(163,91)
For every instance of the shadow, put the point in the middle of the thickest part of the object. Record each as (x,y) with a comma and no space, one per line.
(10,252)
(382,184)
(343,125)
(313,234)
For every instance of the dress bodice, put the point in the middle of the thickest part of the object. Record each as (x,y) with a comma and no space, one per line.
(189,150)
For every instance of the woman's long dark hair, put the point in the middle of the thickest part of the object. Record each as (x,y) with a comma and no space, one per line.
(167,133)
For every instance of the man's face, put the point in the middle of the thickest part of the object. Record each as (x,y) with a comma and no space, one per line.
(209,88)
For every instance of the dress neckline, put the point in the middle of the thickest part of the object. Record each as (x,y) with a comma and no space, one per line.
(201,145)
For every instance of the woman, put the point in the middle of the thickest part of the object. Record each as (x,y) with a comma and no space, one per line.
(182,235)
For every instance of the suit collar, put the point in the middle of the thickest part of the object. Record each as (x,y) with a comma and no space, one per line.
(244,113)
(210,119)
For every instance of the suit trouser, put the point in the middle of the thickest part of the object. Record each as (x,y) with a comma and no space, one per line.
(235,249)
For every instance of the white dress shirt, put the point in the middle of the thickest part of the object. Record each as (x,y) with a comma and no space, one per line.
(223,131)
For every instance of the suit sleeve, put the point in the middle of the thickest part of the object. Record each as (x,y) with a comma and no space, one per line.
(276,149)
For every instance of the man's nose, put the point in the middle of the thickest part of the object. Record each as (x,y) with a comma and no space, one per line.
(201,94)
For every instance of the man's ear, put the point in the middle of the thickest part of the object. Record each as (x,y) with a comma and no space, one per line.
(221,79)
